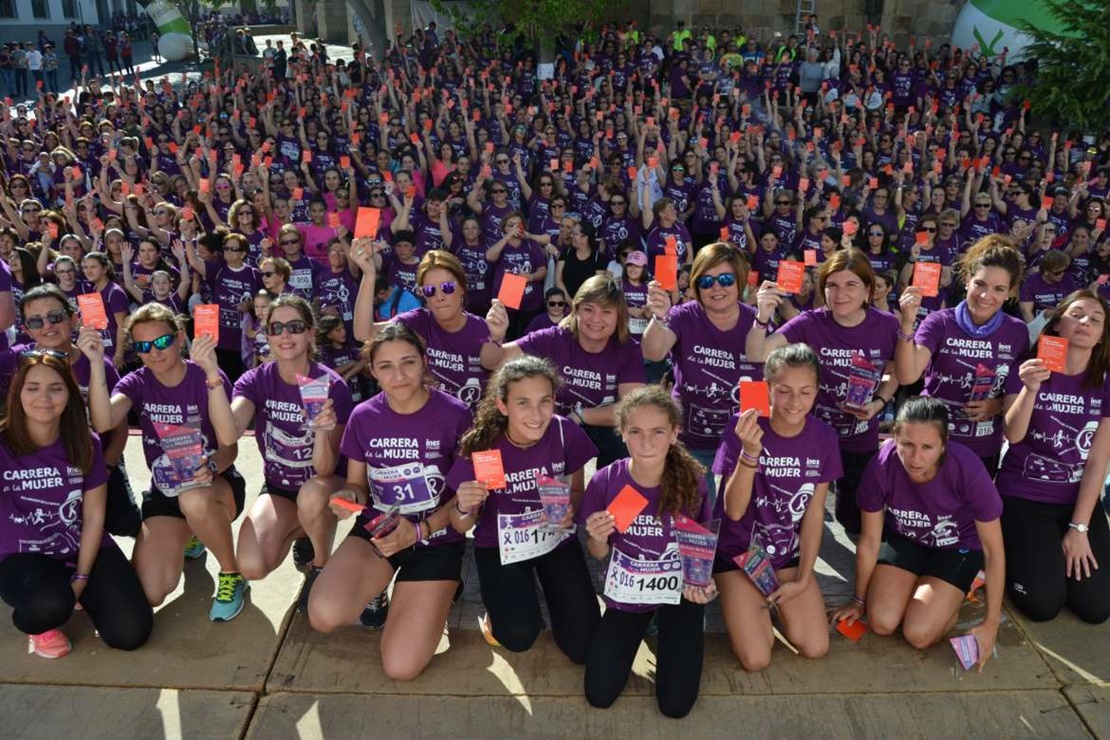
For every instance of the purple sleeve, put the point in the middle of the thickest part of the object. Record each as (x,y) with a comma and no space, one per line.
(870,495)
(929,333)
(537,343)
(578,448)
(462,470)
(117,301)
(98,473)
(633,370)
(728,451)
(985,502)
(245,386)
(340,394)
(111,375)
(131,387)
(832,465)
(414,320)
(5,277)
(351,446)
(795,330)
(1013,381)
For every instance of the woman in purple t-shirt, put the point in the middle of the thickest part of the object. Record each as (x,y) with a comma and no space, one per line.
(940,513)
(54,552)
(170,395)
(645,580)
(776,474)
(967,352)
(101,276)
(514,543)
(1057,539)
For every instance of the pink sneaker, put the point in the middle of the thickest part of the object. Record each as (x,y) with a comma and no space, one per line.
(50,644)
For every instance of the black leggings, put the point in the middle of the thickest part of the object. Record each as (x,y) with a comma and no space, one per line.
(509,594)
(37,588)
(1035,564)
(121,514)
(847,510)
(678,656)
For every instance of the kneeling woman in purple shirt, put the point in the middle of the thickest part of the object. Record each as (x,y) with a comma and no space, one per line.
(54,552)
(641,582)
(513,541)
(1057,539)
(941,510)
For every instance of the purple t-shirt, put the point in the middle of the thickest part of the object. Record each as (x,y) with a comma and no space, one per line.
(408,456)
(1047,465)
(951,372)
(285,446)
(184,404)
(5,287)
(589,380)
(651,535)
(790,469)
(115,301)
(940,514)
(1043,294)
(230,288)
(562,451)
(41,497)
(527,258)
(708,366)
(836,345)
(454,358)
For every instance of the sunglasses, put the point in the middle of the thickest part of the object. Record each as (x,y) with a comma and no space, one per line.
(928,229)
(556,304)
(725,280)
(982,205)
(499,192)
(875,233)
(54,318)
(268,274)
(290,242)
(163,342)
(234,249)
(430,290)
(296,326)
(43,353)
(502,161)
(782,202)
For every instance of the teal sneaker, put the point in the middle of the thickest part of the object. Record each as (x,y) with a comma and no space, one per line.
(194,548)
(231,593)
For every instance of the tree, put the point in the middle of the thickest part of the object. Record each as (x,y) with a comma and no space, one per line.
(1072,82)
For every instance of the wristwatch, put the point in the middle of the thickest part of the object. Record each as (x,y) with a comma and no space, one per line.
(1079,527)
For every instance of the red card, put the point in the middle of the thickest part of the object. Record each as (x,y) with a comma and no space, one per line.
(790,276)
(850,228)
(809,257)
(834,202)
(1046,202)
(333,220)
(306,156)
(345,162)
(753,202)
(873,183)
(666,271)
(921,237)
(206,320)
(1054,352)
(926,275)
(755,394)
(488,468)
(670,245)
(346,504)
(415,138)
(512,290)
(202,185)
(853,631)
(626,507)
(93,313)
(366,224)
(1100,224)
(724,233)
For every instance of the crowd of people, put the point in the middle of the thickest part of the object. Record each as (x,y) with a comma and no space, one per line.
(438,286)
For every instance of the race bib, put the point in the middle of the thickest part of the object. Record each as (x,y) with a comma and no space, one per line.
(637,326)
(525,536)
(404,486)
(291,453)
(645,582)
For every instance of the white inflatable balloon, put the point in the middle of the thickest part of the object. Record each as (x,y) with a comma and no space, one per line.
(175,46)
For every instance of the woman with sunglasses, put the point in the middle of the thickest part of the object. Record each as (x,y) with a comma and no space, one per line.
(597,356)
(555,305)
(1042,290)
(519,252)
(665,233)
(170,394)
(856,344)
(302,463)
(305,272)
(927,249)
(245,220)
(462,348)
(470,250)
(702,338)
(54,552)
(494,210)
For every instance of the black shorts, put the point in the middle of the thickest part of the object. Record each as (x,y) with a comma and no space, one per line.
(156,503)
(428,563)
(273,490)
(722,564)
(958,567)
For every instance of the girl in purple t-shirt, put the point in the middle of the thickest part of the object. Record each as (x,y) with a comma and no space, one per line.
(1057,539)
(101,276)
(400,446)
(645,573)
(513,541)
(930,523)
(967,352)
(170,395)
(54,552)
(775,475)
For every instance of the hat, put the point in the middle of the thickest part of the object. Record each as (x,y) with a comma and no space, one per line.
(637,258)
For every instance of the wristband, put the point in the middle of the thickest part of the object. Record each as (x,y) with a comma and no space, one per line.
(661,321)
(78,577)
(214,384)
(764,325)
(462,512)
(749,458)
(859,602)
(904,336)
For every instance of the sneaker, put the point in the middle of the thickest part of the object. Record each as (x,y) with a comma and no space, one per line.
(373,616)
(231,592)
(194,548)
(303,554)
(50,644)
(487,631)
(302,600)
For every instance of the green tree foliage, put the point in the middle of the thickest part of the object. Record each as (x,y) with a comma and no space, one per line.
(1072,84)
(536,22)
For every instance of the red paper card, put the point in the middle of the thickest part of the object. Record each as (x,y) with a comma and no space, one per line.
(333,220)
(670,245)
(488,468)
(755,394)
(93,313)
(206,320)
(202,184)
(753,202)
(345,162)
(926,275)
(626,507)
(809,258)
(790,275)
(850,228)
(512,290)
(366,224)
(1046,203)
(666,271)
(1054,352)
(724,233)
(346,504)
(853,631)
(921,237)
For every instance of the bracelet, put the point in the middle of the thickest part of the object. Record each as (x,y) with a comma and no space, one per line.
(462,512)
(904,336)
(78,577)
(749,458)
(661,321)
(214,384)
(764,325)
(420,537)
(859,602)
(880,399)
(747,464)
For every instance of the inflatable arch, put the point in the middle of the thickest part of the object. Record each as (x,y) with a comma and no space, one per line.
(995,25)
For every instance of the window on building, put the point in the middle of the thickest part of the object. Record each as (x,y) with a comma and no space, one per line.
(69,8)
(40,8)
(7,8)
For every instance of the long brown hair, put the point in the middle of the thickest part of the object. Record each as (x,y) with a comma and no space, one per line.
(74,423)
(679,488)
(993,250)
(1099,363)
(489,422)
